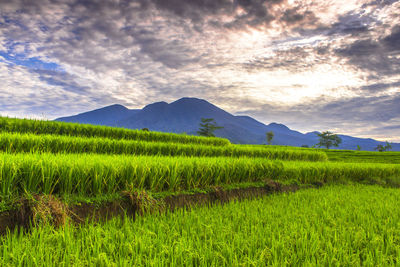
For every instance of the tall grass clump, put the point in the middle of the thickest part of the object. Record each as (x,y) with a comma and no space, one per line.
(87,130)
(15,142)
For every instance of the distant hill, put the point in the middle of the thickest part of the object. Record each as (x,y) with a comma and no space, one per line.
(185,114)
(108,116)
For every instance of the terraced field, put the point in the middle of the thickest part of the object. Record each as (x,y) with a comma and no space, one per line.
(53,173)
(335,225)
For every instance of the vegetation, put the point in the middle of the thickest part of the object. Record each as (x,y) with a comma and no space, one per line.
(382,148)
(340,172)
(335,225)
(86,130)
(328,139)
(270,136)
(14,142)
(207,127)
(331,226)
(363,156)
(91,175)
(100,174)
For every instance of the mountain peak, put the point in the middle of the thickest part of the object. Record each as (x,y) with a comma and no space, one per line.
(115,107)
(190,100)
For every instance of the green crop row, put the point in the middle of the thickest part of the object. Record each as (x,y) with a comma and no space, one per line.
(332,226)
(86,130)
(97,174)
(363,156)
(90,175)
(341,172)
(15,142)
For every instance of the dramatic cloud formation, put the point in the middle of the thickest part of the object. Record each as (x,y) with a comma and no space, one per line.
(312,65)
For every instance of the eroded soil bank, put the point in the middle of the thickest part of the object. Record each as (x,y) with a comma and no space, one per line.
(48,209)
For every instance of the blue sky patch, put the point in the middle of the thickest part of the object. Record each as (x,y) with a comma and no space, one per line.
(32,62)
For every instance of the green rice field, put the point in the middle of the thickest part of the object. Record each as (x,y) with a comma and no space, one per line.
(363,156)
(15,142)
(99,174)
(352,219)
(332,226)
(86,130)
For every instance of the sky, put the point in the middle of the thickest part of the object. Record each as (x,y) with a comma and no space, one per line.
(311,65)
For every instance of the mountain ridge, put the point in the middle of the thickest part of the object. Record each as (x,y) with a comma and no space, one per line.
(184,115)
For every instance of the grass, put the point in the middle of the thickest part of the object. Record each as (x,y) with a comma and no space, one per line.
(363,156)
(101,174)
(391,157)
(331,226)
(87,130)
(92,175)
(350,225)
(15,142)
(341,172)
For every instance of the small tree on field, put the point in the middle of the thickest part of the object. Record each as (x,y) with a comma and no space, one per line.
(270,136)
(207,127)
(358,148)
(388,146)
(382,148)
(329,139)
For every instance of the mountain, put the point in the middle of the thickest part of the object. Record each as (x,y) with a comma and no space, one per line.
(184,115)
(104,116)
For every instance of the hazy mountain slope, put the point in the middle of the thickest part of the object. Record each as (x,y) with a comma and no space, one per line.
(109,115)
(184,115)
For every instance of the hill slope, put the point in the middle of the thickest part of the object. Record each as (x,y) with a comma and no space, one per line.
(185,114)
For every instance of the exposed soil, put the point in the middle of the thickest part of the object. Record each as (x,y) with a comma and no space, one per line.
(47,209)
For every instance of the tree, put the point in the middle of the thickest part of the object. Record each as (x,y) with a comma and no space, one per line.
(382,148)
(329,139)
(270,136)
(207,127)
(388,146)
(358,148)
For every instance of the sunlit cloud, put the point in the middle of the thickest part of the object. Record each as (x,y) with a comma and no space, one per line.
(307,64)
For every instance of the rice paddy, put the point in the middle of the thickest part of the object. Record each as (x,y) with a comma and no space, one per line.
(352,220)
(15,142)
(87,130)
(86,174)
(332,226)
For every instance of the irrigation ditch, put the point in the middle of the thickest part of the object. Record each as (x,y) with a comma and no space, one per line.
(39,209)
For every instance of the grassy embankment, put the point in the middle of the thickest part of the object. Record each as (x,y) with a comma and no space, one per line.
(87,130)
(188,166)
(342,155)
(331,226)
(363,156)
(91,175)
(16,143)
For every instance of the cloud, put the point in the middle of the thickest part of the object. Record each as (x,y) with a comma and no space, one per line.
(360,115)
(381,86)
(268,54)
